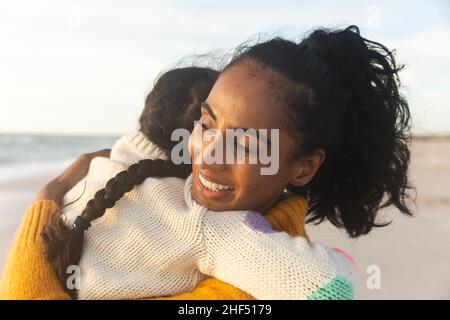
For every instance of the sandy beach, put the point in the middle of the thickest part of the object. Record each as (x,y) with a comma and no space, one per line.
(412,253)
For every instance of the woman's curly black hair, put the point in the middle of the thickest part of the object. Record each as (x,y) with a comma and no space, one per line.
(341,95)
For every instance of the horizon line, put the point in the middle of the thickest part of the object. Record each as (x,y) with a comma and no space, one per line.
(419,135)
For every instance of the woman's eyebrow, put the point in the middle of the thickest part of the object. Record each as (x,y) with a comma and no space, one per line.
(208,109)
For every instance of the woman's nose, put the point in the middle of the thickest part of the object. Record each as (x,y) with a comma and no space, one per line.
(209,149)
(214,149)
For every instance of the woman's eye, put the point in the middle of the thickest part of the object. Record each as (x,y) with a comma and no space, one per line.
(243,144)
(202,125)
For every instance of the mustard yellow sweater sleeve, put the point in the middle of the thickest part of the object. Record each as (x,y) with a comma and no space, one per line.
(28,275)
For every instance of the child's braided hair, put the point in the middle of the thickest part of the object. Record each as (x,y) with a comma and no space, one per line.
(170,105)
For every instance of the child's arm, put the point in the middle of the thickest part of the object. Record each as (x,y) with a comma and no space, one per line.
(28,275)
(244,250)
(288,216)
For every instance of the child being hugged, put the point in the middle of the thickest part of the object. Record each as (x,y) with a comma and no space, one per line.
(129,249)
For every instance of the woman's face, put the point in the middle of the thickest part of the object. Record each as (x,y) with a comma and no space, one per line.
(240,99)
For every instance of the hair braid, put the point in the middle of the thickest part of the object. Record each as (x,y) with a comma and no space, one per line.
(64,244)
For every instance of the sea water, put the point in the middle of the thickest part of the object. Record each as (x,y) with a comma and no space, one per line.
(24,156)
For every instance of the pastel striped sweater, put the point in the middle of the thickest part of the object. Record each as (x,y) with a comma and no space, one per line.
(158,241)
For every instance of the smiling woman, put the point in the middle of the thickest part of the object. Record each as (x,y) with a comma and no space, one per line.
(343,129)
(331,97)
(237,100)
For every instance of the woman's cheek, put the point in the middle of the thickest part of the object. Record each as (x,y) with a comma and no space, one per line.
(246,175)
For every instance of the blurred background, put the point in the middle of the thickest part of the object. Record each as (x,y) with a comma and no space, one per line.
(74,75)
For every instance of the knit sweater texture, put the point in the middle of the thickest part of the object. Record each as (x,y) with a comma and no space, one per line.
(29,276)
(158,241)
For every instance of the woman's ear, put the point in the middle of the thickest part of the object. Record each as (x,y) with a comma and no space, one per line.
(305,168)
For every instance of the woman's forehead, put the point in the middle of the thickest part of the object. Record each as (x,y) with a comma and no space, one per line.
(241,98)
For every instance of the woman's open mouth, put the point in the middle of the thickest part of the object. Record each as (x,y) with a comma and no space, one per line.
(211,189)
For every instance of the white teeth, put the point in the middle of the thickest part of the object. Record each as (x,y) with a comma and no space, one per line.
(213,186)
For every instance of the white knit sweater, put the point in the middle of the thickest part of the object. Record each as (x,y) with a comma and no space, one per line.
(158,241)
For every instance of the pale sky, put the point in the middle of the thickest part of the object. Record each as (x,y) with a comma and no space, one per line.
(86,66)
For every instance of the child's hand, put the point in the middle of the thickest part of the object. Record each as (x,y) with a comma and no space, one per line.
(58,187)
